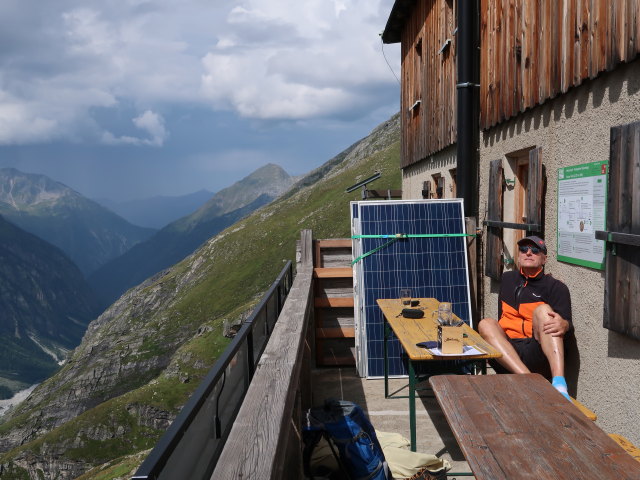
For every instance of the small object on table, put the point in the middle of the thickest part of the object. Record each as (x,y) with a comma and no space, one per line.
(450,340)
(415,303)
(412,313)
(405,296)
(444,312)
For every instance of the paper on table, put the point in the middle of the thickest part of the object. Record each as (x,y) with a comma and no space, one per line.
(466,351)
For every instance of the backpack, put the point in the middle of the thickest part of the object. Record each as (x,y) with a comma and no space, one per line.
(346,426)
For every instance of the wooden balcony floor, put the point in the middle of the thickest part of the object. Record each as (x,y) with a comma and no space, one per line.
(392,415)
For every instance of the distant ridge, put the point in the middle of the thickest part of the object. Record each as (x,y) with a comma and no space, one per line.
(181,237)
(88,233)
(157,212)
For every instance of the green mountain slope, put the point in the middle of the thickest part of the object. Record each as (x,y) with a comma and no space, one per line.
(45,307)
(180,238)
(142,358)
(88,233)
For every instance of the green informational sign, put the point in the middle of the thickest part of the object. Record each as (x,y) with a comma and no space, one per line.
(582,204)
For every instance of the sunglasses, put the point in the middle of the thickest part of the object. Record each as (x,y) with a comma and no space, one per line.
(526,248)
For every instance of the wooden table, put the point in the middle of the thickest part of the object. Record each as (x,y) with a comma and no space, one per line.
(410,331)
(513,427)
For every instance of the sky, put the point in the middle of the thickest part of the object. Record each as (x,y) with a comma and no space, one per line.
(125,99)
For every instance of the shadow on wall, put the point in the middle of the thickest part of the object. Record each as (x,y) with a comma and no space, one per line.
(621,346)
(594,91)
(572,363)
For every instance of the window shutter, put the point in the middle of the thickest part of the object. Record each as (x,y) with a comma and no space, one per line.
(493,263)
(426,189)
(440,188)
(535,188)
(622,277)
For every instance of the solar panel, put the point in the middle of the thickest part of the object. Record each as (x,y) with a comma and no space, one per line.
(432,267)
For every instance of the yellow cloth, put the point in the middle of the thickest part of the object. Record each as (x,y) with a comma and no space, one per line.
(402,462)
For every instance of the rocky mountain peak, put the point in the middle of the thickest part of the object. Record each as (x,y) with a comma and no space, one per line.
(24,190)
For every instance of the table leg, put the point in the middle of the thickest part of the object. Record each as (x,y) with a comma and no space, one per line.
(386,359)
(412,405)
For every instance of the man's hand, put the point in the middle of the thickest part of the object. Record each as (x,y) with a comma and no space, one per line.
(555,325)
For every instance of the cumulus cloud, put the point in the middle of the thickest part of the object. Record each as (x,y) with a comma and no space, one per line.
(61,62)
(298,60)
(151,123)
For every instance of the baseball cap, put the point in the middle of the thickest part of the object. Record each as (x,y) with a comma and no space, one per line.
(540,243)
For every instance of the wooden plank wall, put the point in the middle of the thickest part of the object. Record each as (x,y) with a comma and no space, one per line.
(429,78)
(534,50)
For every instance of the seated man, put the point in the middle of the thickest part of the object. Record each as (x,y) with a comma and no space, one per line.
(534,315)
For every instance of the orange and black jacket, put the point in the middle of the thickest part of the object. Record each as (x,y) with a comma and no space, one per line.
(520,295)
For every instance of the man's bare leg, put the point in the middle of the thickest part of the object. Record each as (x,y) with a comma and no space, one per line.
(493,333)
(552,347)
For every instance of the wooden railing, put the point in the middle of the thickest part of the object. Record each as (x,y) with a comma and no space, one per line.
(265,442)
(193,443)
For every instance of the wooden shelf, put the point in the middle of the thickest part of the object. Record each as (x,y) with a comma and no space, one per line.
(335,332)
(333,290)
(340,272)
(334,243)
(333,302)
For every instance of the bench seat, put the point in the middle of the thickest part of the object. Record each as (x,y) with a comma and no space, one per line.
(588,413)
(630,448)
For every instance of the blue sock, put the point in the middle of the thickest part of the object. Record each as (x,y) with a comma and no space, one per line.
(560,384)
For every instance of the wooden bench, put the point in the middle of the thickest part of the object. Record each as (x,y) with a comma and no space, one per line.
(629,447)
(587,413)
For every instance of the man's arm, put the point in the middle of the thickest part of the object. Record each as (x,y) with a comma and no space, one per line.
(559,321)
(555,325)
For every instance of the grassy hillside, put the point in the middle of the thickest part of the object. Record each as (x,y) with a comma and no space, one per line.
(220,281)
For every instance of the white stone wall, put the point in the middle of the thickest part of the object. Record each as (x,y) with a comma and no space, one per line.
(574,129)
(414,175)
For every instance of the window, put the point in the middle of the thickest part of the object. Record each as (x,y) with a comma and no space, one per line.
(454,185)
(426,189)
(515,197)
(438,182)
(514,206)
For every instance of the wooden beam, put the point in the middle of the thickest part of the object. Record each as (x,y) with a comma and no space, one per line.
(533,227)
(333,302)
(341,272)
(334,243)
(617,237)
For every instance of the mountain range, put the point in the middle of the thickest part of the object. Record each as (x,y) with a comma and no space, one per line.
(157,212)
(45,307)
(87,232)
(142,358)
(181,237)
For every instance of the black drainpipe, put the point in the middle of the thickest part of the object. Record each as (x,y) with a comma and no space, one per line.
(468,104)
(468,128)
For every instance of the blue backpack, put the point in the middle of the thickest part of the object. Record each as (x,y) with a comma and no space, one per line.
(345,425)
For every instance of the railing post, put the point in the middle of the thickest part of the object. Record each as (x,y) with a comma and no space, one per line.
(250,361)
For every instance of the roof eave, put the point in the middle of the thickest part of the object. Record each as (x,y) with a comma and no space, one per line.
(397,18)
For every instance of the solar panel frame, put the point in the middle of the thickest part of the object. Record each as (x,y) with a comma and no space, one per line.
(430,267)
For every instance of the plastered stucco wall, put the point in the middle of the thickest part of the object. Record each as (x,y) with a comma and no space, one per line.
(414,175)
(574,129)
